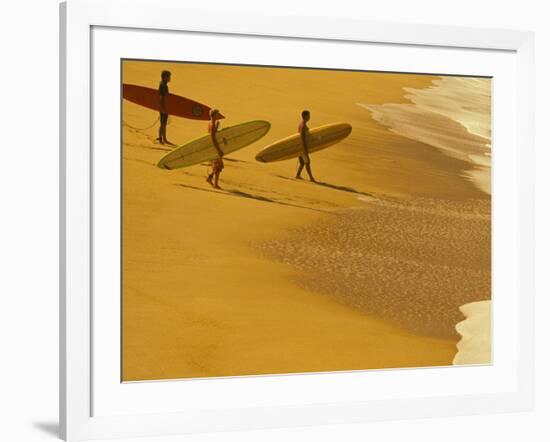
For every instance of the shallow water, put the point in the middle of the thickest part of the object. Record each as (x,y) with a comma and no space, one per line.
(411,262)
(453,115)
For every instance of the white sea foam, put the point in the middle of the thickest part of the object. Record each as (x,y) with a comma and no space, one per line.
(466,100)
(453,115)
(475,345)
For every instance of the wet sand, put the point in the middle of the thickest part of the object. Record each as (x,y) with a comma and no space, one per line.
(413,262)
(202,295)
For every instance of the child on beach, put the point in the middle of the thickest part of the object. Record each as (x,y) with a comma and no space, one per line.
(165,77)
(217,164)
(303,159)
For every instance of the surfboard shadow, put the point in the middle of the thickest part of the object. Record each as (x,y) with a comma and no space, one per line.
(241,194)
(231,160)
(234,160)
(330,186)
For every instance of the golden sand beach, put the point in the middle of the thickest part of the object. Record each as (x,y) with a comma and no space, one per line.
(366,269)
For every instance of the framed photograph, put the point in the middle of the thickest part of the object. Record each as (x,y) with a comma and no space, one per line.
(273,221)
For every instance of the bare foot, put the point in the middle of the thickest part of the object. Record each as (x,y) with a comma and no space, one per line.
(217,187)
(169,143)
(160,140)
(298,177)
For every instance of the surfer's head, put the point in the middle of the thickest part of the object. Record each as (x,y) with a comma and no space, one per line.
(305,115)
(165,76)
(214,114)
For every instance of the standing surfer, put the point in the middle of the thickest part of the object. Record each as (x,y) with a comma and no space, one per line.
(217,164)
(163,93)
(303,159)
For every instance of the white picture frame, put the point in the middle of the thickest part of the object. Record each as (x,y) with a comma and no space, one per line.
(78,20)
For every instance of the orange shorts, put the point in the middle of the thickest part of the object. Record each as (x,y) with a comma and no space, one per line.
(217,165)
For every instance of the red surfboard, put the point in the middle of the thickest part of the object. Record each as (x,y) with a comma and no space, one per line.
(175,105)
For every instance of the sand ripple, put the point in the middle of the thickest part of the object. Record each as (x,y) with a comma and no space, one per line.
(412,262)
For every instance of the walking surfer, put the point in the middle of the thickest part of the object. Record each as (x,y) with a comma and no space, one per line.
(217,164)
(303,159)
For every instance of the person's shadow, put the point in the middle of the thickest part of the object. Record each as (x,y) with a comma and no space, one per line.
(330,186)
(51,428)
(342,188)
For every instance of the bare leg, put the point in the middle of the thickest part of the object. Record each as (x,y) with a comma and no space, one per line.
(308,169)
(160,139)
(216,180)
(164,135)
(300,168)
(209,179)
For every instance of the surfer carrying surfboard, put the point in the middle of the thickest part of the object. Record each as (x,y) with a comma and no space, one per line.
(217,164)
(165,77)
(303,159)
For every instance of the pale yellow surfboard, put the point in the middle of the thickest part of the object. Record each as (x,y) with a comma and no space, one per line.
(291,147)
(202,149)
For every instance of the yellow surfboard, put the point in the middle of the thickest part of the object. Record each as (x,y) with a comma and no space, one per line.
(230,139)
(291,147)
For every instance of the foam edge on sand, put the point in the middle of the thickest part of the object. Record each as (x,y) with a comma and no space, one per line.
(475,345)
